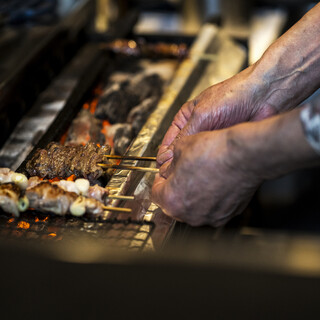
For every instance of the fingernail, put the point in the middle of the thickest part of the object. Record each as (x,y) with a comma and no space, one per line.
(165,156)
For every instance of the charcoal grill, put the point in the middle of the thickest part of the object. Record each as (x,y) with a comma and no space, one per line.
(48,118)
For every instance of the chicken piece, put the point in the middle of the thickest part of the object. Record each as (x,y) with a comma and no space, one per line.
(98,193)
(7,175)
(50,198)
(11,199)
(46,197)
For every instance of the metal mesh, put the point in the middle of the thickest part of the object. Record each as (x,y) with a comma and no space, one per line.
(125,234)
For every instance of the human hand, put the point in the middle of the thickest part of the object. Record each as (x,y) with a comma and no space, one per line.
(235,100)
(207,183)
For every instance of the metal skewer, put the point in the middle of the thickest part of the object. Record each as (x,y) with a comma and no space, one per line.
(115,209)
(112,156)
(123,167)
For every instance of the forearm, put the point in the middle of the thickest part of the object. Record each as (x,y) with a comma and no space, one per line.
(289,71)
(272,147)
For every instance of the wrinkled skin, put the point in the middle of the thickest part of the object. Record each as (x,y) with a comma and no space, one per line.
(220,106)
(204,162)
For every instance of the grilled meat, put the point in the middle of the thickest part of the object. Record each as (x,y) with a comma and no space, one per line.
(63,161)
(11,199)
(50,198)
(79,186)
(46,197)
(7,175)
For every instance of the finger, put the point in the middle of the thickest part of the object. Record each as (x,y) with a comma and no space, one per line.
(160,193)
(178,123)
(164,155)
(165,169)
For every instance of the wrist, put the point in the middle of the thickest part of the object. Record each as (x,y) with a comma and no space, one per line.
(272,147)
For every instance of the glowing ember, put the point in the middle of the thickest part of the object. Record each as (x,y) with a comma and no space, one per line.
(93,105)
(23,225)
(105,126)
(10,220)
(71,178)
(36,219)
(52,234)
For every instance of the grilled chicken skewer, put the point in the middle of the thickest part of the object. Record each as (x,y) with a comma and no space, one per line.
(43,197)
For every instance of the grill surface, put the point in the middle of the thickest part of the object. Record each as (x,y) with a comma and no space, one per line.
(126,234)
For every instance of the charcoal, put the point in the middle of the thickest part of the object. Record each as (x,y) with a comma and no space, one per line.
(122,137)
(145,86)
(116,102)
(85,128)
(139,114)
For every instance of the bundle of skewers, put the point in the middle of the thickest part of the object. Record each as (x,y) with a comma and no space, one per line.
(48,189)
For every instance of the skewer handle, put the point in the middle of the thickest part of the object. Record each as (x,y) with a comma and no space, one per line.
(121,197)
(115,209)
(111,156)
(123,167)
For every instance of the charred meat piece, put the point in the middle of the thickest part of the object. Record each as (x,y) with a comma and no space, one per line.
(116,102)
(85,128)
(11,199)
(139,114)
(63,161)
(50,198)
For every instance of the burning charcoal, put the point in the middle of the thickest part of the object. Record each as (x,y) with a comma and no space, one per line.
(63,161)
(85,128)
(145,86)
(116,102)
(139,114)
(122,136)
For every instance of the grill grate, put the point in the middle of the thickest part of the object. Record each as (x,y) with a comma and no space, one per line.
(126,234)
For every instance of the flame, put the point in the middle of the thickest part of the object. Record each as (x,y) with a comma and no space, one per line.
(36,219)
(23,225)
(10,220)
